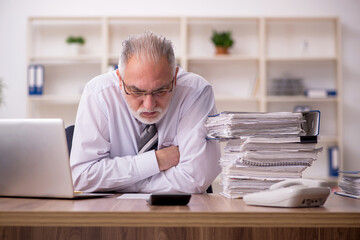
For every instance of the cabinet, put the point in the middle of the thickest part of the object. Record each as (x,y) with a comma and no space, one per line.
(308,49)
(265,50)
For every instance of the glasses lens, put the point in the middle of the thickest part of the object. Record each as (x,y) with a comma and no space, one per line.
(159,93)
(137,94)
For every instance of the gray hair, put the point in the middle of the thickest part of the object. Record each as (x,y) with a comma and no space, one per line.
(149,45)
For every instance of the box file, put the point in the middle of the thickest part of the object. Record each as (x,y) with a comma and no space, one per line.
(333,161)
(31,79)
(36,79)
(320,93)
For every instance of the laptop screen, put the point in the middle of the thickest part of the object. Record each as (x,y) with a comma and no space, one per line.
(34,159)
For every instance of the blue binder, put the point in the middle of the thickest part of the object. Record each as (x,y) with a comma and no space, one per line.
(36,79)
(333,161)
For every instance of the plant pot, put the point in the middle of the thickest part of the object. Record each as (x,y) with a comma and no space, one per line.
(74,49)
(222,50)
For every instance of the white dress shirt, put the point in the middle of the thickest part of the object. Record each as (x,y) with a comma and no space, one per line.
(104,150)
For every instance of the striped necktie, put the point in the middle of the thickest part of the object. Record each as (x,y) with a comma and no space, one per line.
(148,139)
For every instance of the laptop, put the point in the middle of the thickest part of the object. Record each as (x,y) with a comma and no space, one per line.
(34,160)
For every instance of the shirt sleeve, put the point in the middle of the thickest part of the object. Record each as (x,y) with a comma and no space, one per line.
(199,158)
(92,168)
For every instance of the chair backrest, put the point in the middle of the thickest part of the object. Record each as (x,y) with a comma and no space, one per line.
(69,136)
(69,131)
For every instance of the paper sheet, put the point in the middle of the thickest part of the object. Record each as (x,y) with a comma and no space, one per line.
(134,196)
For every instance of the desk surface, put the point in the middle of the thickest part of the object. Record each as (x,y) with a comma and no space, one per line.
(202,210)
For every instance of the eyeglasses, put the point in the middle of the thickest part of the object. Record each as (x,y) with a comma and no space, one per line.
(157,93)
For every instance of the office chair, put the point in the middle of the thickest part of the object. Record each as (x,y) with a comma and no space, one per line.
(69,131)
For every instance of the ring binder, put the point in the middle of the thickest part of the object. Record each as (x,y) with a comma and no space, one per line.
(333,161)
(36,79)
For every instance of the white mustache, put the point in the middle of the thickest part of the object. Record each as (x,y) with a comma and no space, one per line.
(144,110)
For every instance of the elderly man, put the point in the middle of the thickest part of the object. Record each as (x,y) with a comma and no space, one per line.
(141,128)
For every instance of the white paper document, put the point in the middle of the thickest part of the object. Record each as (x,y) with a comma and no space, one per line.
(262,148)
(134,196)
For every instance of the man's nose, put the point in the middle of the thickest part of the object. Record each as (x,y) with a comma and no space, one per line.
(149,101)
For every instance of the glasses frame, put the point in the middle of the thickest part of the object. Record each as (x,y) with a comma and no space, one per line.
(152,93)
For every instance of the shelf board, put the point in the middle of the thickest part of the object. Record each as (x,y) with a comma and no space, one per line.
(114,20)
(115,58)
(55,99)
(221,18)
(236,99)
(51,21)
(299,99)
(65,59)
(307,18)
(299,59)
(229,57)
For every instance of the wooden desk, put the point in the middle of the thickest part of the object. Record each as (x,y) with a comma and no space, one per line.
(207,216)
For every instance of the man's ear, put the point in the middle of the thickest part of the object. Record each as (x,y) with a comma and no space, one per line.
(176,72)
(118,74)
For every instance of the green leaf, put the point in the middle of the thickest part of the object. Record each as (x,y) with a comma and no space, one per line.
(72,39)
(222,39)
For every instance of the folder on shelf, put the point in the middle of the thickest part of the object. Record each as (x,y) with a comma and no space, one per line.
(36,79)
(31,79)
(320,93)
(333,161)
(39,83)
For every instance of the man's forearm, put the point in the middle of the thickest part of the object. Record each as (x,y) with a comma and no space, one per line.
(115,174)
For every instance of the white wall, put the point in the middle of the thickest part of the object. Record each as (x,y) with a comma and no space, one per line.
(14,14)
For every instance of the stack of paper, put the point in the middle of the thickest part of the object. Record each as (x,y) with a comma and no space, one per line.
(350,184)
(262,149)
(233,124)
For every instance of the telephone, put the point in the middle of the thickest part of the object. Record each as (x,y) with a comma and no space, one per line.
(291,193)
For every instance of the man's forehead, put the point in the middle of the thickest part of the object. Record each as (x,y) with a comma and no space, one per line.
(150,70)
(144,60)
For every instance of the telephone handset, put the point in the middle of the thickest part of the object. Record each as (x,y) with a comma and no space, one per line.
(299,181)
(291,193)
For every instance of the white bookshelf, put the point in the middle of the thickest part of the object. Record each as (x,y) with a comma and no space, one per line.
(264,49)
(310,49)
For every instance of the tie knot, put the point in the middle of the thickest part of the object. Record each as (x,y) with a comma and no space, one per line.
(150,128)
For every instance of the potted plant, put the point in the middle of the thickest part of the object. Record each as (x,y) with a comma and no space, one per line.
(75,44)
(223,41)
